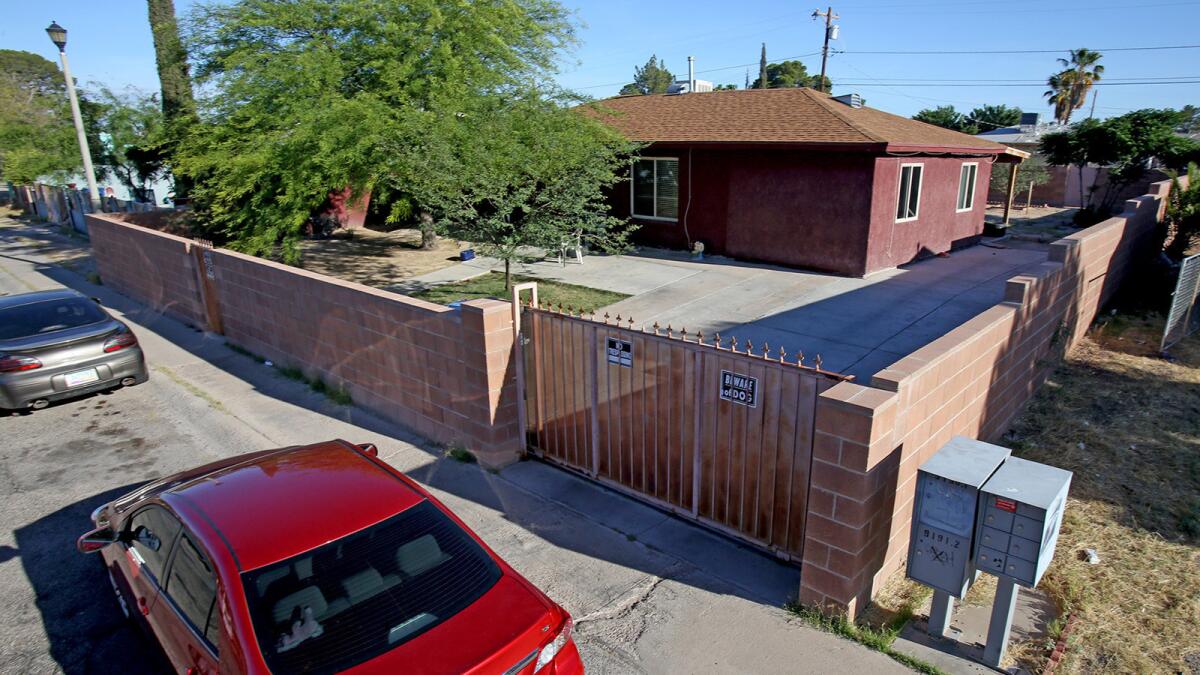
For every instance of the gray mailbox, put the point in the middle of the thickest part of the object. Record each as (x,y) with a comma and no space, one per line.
(1020,511)
(948,485)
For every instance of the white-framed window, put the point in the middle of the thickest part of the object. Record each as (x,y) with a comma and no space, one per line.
(908,203)
(966,186)
(654,188)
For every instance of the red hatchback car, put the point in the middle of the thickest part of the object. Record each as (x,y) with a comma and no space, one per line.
(320,558)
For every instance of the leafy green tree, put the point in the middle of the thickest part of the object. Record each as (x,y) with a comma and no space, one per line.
(1069,88)
(947,117)
(1125,145)
(129,127)
(311,97)
(652,78)
(788,74)
(1183,214)
(513,174)
(37,137)
(990,117)
(725,87)
(1190,122)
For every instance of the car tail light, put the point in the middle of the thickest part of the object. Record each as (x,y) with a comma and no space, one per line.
(121,340)
(11,363)
(553,647)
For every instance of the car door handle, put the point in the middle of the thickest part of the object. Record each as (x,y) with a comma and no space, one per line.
(144,607)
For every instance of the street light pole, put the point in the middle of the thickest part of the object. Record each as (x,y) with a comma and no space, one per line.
(58,35)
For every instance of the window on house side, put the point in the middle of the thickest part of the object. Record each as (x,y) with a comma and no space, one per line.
(966,186)
(909,201)
(655,190)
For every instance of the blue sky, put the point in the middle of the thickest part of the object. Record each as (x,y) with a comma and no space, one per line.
(110,42)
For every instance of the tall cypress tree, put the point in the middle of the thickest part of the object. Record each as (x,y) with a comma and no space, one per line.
(762,68)
(178,105)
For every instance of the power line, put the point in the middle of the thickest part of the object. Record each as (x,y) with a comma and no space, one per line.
(1028,84)
(701,72)
(1012,51)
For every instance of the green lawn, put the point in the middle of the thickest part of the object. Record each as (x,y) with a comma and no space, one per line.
(491,285)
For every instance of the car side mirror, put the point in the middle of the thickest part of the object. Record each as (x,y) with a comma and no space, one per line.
(96,539)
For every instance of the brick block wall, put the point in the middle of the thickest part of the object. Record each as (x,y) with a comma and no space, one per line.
(447,374)
(973,381)
(155,268)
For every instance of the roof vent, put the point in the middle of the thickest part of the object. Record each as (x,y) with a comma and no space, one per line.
(852,100)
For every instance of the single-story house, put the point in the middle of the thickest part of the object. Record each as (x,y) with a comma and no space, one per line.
(799,177)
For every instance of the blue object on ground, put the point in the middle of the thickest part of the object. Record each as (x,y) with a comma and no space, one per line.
(467,254)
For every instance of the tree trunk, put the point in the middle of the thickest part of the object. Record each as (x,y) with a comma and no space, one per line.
(428,232)
(178,105)
(507,275)
(1029,199)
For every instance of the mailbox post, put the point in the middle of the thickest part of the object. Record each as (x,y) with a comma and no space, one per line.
(1019,516)
(943,525)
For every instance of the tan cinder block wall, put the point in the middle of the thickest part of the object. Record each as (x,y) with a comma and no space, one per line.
(155,268)
(448,375)
(973,381)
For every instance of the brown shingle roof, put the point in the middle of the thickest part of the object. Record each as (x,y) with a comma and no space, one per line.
(793,116)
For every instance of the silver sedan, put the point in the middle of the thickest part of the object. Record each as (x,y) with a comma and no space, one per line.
(61,344)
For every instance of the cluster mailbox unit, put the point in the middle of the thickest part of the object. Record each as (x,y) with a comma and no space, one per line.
(978,509)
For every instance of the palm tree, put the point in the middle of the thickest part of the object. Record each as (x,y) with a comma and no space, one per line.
(1069,88)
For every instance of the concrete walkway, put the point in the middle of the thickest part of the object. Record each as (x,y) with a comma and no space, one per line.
(650,593)
(858,326)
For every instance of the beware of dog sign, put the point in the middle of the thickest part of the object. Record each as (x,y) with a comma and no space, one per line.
(740,389)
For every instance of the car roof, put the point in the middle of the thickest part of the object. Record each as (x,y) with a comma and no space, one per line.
(38,296)
(284,503)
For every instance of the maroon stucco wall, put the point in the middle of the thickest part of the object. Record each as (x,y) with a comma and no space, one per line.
(828,210)
(783,206)
(938,228)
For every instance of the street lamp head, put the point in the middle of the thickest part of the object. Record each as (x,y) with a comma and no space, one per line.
(58,35)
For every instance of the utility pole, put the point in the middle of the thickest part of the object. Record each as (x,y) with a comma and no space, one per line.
(830,34)
(1092,112)
(762,68)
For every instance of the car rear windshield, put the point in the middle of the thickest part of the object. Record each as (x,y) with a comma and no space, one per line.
(356,597)
(47,316)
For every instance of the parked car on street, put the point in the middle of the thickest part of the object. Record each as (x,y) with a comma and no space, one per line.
(320,558)
(61,344)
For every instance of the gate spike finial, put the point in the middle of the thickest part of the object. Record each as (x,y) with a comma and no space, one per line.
(733,343)
(631,323)
(606,317)
(766,349)
(618,321)
(717,340)
(656,328)
(670,331)
(683,333)
(782,355)
(800,359)
(818,361)
(699,337)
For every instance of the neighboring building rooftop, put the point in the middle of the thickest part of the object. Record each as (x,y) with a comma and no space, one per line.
(1022,135)
(796,116)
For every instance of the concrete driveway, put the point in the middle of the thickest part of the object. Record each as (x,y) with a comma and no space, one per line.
(858,326)
(650,593)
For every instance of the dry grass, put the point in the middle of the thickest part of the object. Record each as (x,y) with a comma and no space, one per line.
(1127,423)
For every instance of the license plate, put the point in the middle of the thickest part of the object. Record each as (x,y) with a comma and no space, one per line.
(81,377)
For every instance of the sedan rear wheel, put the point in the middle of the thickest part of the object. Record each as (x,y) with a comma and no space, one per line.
(120,598)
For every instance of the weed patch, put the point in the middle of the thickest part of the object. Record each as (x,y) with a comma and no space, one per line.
(460,454)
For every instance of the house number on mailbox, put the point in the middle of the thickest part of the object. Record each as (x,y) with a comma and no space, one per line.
(741,389)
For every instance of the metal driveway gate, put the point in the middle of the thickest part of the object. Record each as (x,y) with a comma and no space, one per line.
(709,431)
(1184,318)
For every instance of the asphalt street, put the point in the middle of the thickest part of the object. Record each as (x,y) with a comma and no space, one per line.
(649,592)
